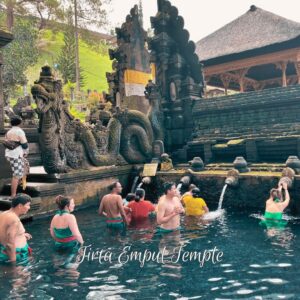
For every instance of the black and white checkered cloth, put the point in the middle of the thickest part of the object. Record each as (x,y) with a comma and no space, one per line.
(17,166)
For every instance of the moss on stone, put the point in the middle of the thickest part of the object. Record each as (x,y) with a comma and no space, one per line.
(236,142)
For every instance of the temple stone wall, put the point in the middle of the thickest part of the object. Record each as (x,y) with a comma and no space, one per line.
(263,126)
(250,194)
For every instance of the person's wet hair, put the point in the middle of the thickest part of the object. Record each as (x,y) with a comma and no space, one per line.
(130,197)
(167,186)
(62,201)
(20,199)
(275,194)
(113,185)
(139,194)
(196,193)
(15,121)
(192,186)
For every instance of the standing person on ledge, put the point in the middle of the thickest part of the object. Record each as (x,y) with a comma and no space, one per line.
(13,237)
(111,206)
(16,156)
(140,208)
(169,209)
(275,206)
(64,229)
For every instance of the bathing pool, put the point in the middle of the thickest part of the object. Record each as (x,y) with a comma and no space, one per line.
(243,260)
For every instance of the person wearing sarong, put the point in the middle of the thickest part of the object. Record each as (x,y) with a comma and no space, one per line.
(16,156)
(275,207)
(111,206)
(64,229)
(13,238)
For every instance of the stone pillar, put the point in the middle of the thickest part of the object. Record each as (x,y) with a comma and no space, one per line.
(1,98)
(297,67)
(241,76)
(225,78)
(208,155)
(283,66)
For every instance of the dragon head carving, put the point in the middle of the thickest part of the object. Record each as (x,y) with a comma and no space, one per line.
(47,92)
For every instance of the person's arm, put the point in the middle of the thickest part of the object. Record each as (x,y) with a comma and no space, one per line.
(11,234)
(74,228)
(101,207)
(160,217)
(180,208)
(51,229)
(23,142)
(286,202)
(205,207)
(121,208)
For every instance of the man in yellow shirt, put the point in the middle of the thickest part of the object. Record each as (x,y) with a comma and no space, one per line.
(194,205)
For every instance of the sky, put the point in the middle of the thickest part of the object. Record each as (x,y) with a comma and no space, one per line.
(203,17)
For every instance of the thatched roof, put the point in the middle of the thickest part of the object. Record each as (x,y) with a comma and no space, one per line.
(255,29)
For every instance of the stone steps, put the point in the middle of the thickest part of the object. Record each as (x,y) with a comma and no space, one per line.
(37,189)
(5,204)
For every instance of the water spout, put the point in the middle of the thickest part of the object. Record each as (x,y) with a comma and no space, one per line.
(287,177)
(140,185)
(222,197)
(232,178)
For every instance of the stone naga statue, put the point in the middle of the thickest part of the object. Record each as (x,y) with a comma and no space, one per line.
(66,143)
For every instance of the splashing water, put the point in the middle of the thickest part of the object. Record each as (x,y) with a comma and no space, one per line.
(178,188)
(136,178)
(222,197)
(140,185)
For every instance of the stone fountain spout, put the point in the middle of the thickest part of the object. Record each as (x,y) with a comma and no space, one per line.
(287,176)
(232,178)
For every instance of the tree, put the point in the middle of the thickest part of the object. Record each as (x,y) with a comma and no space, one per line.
(87,12)
(44,9)
(66,59)
(19,55)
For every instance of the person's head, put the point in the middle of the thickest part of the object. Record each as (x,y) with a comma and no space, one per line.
(15,121)
(196,193)
(130,197)
(169,189)
(65,203)
(191,187)
(21,203)
(275,194)
(139,195)
(116,187)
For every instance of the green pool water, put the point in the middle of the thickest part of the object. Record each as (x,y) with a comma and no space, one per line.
(256,263)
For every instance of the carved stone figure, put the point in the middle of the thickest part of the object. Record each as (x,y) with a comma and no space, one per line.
(155,112)
(25,111)
(67,143)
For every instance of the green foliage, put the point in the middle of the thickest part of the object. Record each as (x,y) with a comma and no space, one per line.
(19,55)
(66,60)
(94,64)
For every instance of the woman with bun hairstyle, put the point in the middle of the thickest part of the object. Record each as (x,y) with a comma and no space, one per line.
(140,208)
(64,228)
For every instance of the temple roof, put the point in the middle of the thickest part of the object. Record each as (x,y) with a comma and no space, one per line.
(255,29)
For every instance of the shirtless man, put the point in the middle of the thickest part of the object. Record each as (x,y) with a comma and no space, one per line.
(274,203)
(13,238)
(112,207)
(169,209)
